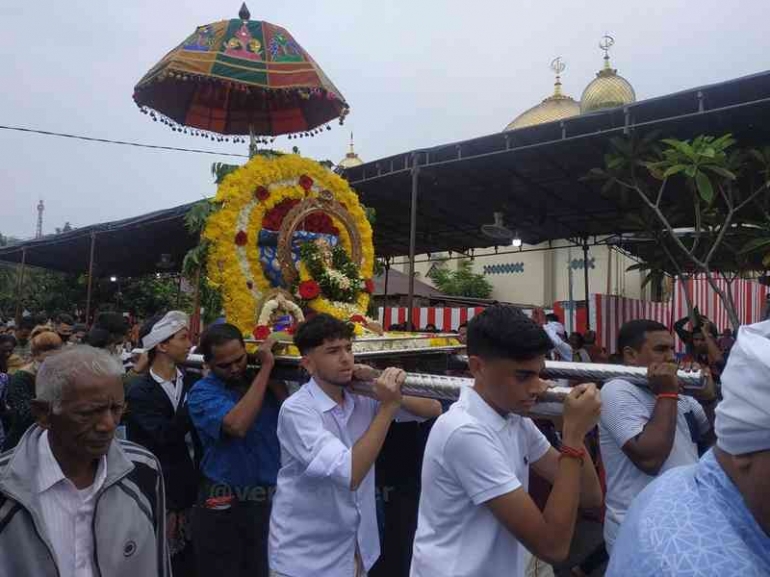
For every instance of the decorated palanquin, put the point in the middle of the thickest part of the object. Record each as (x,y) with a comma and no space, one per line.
(289,239)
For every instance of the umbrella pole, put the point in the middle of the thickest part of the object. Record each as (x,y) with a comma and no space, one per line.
(252,142)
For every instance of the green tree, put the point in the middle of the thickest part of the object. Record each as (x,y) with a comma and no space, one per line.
(149,295)
(461,282)
(705,204)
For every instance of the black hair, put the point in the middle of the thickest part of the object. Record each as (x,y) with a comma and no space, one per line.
(145,330)
(27,323)
(552,318)
(8,338)
(321,328)
(113,323)
(216,336)
(581,340)
(65,319)
(634,333)
(504,331)
(98,338)
(699,330)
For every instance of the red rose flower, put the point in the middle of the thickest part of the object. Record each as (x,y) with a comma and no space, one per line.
(309,289)
(358,319)
(306,182)
(369,286)
(261,332)
(261,193)
(241,238)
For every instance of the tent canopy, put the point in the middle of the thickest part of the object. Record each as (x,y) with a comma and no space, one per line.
(533,175)
(129,247)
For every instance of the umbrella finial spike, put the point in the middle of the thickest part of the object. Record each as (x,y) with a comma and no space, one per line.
(244,13)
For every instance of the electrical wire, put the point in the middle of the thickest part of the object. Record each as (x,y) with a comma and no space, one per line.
(120,142)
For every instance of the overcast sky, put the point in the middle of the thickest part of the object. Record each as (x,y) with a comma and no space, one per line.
(415,72)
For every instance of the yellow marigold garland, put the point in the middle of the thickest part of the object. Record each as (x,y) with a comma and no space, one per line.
(242,281)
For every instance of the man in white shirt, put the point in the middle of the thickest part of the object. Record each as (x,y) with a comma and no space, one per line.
(645,431)
(323,520)
(476,516)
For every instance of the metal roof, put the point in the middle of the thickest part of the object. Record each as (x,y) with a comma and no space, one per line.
(534,175)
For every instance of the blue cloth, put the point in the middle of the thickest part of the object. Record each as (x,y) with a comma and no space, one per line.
(691,521)
(251,461)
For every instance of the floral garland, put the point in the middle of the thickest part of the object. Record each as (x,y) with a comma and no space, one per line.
(354,311)
(259,190)
(336,275)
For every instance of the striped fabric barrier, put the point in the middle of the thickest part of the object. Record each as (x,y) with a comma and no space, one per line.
(445,319)
(608,313)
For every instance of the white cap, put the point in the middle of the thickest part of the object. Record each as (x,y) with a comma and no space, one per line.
(168,326)
(742,422)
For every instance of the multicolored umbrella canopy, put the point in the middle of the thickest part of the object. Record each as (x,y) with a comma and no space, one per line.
(240,77)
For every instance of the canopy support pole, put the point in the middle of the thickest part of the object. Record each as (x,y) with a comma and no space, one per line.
(20,286)
(413,240)
(385,296)
(90,277)
(585,282)
(195,321)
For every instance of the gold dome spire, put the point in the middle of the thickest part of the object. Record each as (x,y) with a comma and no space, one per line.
(556,107)
(608,89)
(351,158)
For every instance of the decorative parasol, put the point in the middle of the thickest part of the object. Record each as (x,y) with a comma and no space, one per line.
(240,77)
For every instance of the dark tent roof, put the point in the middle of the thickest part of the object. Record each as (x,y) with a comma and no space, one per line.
(532,174)
(128,247)
(398,284)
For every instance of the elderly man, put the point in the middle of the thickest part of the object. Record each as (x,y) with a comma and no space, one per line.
(712,519)
(74,502)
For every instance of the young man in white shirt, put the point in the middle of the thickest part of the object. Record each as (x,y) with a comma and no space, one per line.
(645,431)
(476,516)
(323,520)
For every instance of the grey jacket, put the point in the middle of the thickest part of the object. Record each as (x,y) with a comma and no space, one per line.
(129,523)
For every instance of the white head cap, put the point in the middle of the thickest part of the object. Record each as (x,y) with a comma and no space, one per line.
(743,417)
(168,326)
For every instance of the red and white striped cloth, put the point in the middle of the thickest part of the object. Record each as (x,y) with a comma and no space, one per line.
(608,313)
(445,319)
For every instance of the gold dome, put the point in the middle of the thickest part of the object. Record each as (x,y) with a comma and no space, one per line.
(556,107)
(608,89)
(351,158)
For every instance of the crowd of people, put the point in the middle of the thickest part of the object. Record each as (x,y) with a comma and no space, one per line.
(219,470)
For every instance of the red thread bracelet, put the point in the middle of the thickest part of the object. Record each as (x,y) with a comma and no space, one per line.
(674,396)
(572,453)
